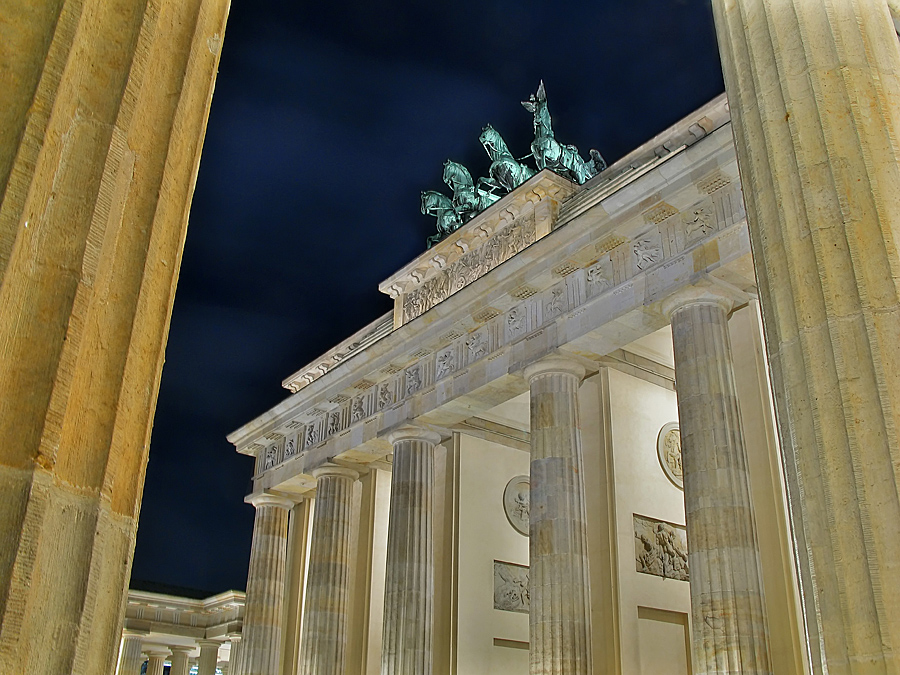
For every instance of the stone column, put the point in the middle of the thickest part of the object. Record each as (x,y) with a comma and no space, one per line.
(103,112)
(209,657)
(156,661)
(263,612)
(234,656)
(727,605)
(814,93)
(409,575)
(132,656)
(560,619)
(324,641)
(180,657)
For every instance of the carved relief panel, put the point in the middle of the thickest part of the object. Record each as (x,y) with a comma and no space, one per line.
(511,587)
(660,548)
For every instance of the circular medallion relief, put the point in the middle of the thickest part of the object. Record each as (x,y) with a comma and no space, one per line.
(517,503)
(668,449)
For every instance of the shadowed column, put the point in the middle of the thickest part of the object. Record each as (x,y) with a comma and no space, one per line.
(324,642)
(409,575)
(559,621)
(263,613)
(727,606)
(132,657)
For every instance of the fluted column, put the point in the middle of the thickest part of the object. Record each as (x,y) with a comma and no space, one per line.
(814,94)
(209,657)
(132,656)
(180,657)
(409,572)
(559,583)
(324,639)
(156,661)
(727,604)
(265,586)
(234,656)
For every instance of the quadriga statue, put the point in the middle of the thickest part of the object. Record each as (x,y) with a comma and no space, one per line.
(506,172)
(550,153)
(468,198)
(439,205)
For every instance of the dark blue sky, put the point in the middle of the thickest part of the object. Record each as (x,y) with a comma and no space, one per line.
(328,120)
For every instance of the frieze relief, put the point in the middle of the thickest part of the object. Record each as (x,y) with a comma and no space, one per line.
(511,587)
(612,273)
(660,548)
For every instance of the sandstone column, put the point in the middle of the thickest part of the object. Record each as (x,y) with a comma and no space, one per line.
(209,657)
(156,661)
(727,606)
(263,613)
(234,657)
(179,660)
(103,109)
(132,656)
(560,620)
(409,575)
(814,92)
(324,641)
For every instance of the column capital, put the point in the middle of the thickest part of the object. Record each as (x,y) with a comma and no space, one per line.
(555,365)
(180,649)
(209,643)
(335,470)
(156,650)
(267,499)
(698,295)
(412,433)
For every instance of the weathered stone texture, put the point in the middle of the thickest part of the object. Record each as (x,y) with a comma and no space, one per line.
(97,166)
(559,620)
(814,90)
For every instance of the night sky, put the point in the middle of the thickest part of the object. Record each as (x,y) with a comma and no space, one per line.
(328,120)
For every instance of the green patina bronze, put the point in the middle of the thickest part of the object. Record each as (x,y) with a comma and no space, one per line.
(551,154)
(506,172)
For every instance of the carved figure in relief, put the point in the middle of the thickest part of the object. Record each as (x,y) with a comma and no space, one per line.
(698,223)
(672,445)
(555,304)
(271,457)
(289,448)
(515,320)
(477,346)
(468,198)
(445,363)
(312,434)
(334,423)
(413,380)
(506,172)
(440,206)
(385,397)
(358,411)
(660,549)
(647,252)
(599,278)
(511,587)
(551,154)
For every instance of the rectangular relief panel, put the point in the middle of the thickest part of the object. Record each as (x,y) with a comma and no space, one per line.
(511,587)
(660,548)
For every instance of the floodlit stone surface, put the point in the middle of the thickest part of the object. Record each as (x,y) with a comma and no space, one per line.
(409,576)
(730,634)
(263,616)
(324,642)
(103,109)
(560,619)
(814,90)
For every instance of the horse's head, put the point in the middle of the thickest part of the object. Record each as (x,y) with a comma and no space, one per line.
(433,201)
(492,142)
(457,176)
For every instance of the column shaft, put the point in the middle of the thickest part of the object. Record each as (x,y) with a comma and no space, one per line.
(559,621)
(727,606)
(409,575)
(156,662)
(263,613)
(234,657)
(209,657)
(132,656)
(103,107)
(814,93)
(179,660)
(324,641)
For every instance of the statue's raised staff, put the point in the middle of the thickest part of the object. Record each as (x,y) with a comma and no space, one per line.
(505,171)
(550,153)
(436,204)
(468,198)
